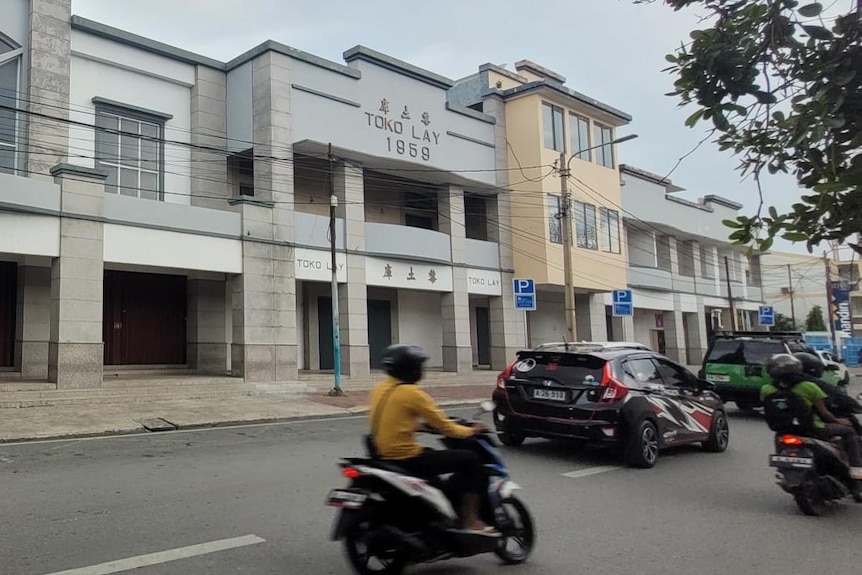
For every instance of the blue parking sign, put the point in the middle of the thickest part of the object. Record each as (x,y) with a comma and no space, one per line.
(525,294)
(766,314)
(623,296)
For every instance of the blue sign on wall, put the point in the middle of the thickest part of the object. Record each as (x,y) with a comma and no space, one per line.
(525,294)
(766,313)
(623,303)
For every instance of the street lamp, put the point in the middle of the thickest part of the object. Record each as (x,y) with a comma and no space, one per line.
(568,234)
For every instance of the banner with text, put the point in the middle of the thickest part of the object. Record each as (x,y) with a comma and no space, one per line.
(316,265)
(842,318)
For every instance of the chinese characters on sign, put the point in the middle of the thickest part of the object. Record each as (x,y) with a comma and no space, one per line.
(411,274)
(402,136)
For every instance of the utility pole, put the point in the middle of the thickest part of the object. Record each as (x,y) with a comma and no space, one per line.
(566,227)
(790,291)
(336,324)
(729,294)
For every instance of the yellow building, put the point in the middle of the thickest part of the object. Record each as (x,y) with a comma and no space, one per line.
(543,118)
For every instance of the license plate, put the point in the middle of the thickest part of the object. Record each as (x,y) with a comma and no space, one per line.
(551,394)
(786,460)
(717,377)
(345,498)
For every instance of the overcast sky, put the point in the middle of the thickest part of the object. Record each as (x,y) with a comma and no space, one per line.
(611,50)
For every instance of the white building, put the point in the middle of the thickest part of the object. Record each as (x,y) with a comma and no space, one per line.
(160,208)
(794,283)
(679,255)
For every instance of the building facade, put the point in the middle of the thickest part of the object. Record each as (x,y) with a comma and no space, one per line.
(164,209)
(681,266)
(793,283)
(544,118)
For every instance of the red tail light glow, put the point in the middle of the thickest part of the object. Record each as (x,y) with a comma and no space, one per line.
(614,390)
(350,472)
(504,375)
(790,440)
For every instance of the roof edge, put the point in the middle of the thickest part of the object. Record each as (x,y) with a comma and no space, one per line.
(360,52)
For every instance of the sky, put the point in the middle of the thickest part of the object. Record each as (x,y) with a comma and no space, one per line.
(611,50)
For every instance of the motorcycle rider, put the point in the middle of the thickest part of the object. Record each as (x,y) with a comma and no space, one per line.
(397,406)
(786,372)
(838,401)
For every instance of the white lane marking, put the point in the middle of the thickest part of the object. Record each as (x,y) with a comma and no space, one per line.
(591,471)
(163,556)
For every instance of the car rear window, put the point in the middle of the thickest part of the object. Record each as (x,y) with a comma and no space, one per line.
(564,367)
(743,352)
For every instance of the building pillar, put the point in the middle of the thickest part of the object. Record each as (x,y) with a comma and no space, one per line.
(75,348)
(591,322)
(264,345)
(206,332)
(674,333)
(353,295)
(208,137)
(457,346)
(49,58)
(33,322)
(508,328)
(696,334)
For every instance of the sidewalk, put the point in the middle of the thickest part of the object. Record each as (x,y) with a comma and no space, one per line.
(125,418)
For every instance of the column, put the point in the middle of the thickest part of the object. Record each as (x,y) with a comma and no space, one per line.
(591,322)
(206,330)
(48,62)
(508,330)
(75,349)
(33,323)
(696,333)
(264,344)
(674,332)
(457,347)
(209,131)
(353,295)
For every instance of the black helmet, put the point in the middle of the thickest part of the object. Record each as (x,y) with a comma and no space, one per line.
(404,362)
(811,364)
(784,367)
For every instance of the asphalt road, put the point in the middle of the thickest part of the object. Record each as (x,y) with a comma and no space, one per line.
(250,500)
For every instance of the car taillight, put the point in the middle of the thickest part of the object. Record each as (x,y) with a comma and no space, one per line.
(614,390)
(505,374)
(790,440)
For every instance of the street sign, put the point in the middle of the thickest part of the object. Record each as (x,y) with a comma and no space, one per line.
(766,314)
(623,303)
(525,294)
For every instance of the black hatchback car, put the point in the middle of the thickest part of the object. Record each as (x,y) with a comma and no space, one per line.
(637,400)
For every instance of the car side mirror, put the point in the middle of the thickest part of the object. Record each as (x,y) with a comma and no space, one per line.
(704,385)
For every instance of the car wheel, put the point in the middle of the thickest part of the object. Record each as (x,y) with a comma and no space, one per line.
(719,434)
(511,438)
(643,444)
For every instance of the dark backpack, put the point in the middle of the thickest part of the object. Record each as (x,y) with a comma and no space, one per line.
(786,412)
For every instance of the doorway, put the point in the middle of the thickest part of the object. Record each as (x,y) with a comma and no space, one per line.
(325,345)
(483,336)
(8,308)
(379,329)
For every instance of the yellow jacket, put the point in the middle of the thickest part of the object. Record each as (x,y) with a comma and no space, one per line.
(399,419)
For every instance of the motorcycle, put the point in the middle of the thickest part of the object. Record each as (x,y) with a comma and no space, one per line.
(814,471)
(389,519)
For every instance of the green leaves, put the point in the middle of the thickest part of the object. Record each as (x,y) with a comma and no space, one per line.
(811,10)
(818,32)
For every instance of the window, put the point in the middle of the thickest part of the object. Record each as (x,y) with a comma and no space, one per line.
(420,210)
(741,352)
(130,147)
(585,224)
(579,128)
(610,230)
(552,118)
(476,217)
(604,137)
(555,223)
(674,375)
(707,262)
(643,370)
(10,58)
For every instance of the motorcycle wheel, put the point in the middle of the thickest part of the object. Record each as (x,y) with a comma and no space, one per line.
(361,558)
(517,542)
(809,500)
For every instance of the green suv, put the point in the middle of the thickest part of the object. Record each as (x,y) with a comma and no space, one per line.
(735,361)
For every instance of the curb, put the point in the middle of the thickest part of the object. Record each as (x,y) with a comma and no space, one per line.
(348,412)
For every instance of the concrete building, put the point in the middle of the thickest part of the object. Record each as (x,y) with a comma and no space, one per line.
(160,208)
(676,267)
(543,118)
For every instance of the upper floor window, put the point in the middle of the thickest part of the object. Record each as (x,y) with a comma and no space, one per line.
(604,137)
(10,71)
(610,230)
(555,223)
(585,224)
(579,128)
(552,120)
(130,146)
